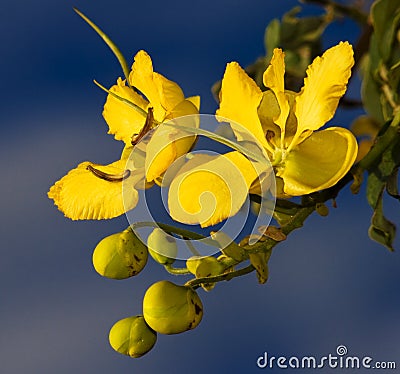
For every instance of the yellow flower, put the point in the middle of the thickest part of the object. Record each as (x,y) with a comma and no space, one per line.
(285,124)
(167,101)
(92,191)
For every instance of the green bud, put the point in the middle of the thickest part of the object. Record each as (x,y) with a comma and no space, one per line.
(132,336)
(203,267)
(171,309)
(192,263)
(322,209)
(162,247)
(119,256)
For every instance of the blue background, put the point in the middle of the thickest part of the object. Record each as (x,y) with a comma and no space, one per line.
(329,284)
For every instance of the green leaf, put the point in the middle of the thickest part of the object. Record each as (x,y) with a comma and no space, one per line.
(370,89)
(298,31)
(380,173)
(385,16)
(382,230)
(374,189)
(384,160)
(110,43)
(392,185)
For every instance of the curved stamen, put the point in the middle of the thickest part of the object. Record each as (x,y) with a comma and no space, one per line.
(109,177)
(146,128)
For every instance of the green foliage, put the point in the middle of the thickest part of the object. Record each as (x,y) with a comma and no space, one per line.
(381,70)
(382,175)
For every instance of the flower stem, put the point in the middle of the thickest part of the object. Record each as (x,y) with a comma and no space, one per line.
(195,283)
(176,271)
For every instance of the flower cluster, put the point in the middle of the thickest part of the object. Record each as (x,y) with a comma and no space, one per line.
(286,124)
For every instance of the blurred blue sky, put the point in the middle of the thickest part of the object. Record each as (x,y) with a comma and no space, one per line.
(329,283)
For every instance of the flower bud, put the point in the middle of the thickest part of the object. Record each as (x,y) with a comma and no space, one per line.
(132,336)
(203,267)
(162,247)
(171,309)
(322,209)
(119,256)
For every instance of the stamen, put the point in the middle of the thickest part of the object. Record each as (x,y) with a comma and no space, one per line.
(269,135)
(109,177)
(146,128)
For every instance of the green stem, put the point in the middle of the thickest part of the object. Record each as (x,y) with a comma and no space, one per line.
(387,90)
(176,271)
(382,143)
(195,283)
(186,234)
(126,101)
(109,42)
(191,247)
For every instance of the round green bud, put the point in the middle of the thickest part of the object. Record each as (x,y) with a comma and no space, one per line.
(132,336)
(192,263)
(119,256)
(203,267)
(162,247)
(171,309)
(322,209)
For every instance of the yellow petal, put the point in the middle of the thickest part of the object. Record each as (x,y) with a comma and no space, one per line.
(160,154)
(240,98)
(319,162)
(82,195)
(162,93)
(124,121)
(195,100)
(168,144)
(183,108)
(169,92)
(273,78)
(209,189)
(324,85)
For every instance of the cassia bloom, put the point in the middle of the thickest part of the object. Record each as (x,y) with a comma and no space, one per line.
(92,191)
(285,123)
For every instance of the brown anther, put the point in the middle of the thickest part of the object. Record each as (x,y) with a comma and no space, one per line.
(269,135)
(146,128)
(109,177)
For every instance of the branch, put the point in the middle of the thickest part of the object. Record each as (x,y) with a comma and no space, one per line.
(346,10)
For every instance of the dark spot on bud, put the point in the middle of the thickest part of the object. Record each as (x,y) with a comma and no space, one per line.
(197,309)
